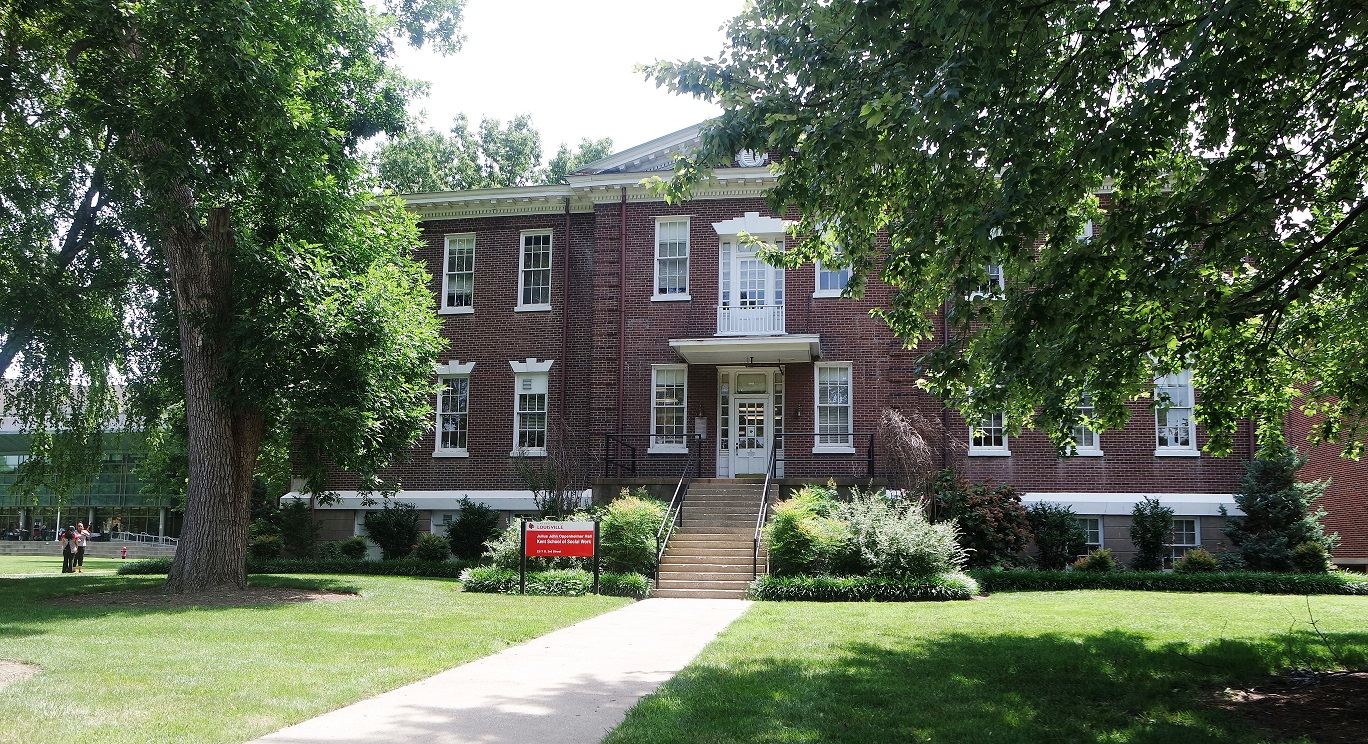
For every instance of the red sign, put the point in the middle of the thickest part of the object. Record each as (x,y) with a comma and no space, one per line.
(560,539)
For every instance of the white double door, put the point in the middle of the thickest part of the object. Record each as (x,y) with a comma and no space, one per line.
(748,408)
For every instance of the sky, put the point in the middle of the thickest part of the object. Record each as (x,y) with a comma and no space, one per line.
(569,65)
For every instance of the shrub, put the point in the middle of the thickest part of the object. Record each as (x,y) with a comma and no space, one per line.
(1150,526)
(503,549)
(801,541)
(1229,561)
(473,526)
(298,529)
(1058,535)
(394,528)
(1280,516)
(266,546)
(432,548)
(895,541)
(1196,560)
(1158,581)
(939,587)
(992,522)
(627,534)
(561,582)
(1098,560)
(352,547)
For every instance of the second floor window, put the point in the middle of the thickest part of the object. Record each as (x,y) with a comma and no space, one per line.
(529,416)
(672,258)
(458,276)
(1173,397)
(1086,441)
(833,406)
(831,280)
(534,276)
(990,436)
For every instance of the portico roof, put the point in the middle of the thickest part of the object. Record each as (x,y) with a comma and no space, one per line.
(786,349)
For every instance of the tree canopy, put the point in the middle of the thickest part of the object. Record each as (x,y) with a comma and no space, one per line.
(1218,151)
(495,156)
(196,210)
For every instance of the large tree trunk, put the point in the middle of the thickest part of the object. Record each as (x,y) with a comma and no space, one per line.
(223,435)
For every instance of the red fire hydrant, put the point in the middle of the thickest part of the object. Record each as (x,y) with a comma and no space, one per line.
(123,552)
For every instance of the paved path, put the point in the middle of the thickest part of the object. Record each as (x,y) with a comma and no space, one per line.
(572,685)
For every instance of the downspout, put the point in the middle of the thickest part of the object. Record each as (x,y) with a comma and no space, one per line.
(945,409)
(622,304)
(565,320)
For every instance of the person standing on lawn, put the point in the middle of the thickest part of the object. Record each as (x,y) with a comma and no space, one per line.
(68,549)
(82,537)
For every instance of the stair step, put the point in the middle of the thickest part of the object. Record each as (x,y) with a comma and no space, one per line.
(672,552)
(674,578)
(749,532)
(737,585)
(699,593)
(709,542)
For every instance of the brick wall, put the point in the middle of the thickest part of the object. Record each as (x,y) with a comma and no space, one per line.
(1346,497)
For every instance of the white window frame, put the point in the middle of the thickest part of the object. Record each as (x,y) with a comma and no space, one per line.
(538,377)
(663,443)
(1178,550)
(833,443)
(842,277)
(989,450)
(1179,382)
(452,370)
(995,277)
(524,272)
(447,275)
(656,294)
(1101,539)
(1081,432)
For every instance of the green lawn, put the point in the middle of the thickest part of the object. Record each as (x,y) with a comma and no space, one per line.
(1058,667)
(232,674)
(13,565)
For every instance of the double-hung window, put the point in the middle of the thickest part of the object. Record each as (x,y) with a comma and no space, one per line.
(530,407)
(1174,434)
(458,275)
(453,409)
(534,271)
(672,259)
(1086,440)
(1184,535)
(831,279)
(989,437)
(833,408)
(1092,527)
(669,402)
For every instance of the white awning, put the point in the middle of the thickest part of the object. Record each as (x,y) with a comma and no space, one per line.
(788,349)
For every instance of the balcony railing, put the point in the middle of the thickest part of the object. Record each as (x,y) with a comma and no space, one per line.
(750,320)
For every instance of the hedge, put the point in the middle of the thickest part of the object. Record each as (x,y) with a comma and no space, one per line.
(406,567)
(862,589)
(1244,582)
(571,582)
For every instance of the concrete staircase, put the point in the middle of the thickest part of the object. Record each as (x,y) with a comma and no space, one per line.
(93,549)
(710,554)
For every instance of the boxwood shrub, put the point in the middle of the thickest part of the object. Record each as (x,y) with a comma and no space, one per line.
(937,588)
(405,567)
(571,582)
(1240,582)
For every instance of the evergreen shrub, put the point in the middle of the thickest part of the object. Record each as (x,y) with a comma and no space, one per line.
(431,548)
(1197,560)
(1098,560)
(1159,581)
(394,528)
(935,588)
(1151,524)
(1280,529)
(474,525)
(627,534)
(1058,535)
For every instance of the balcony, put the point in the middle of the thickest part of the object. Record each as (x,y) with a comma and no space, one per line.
(750,320)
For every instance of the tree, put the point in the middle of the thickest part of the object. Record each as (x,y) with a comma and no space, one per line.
(394,528)
(495,156)
(474,525)
(1151,525)
(1280,529)
(1057,534)
(1229,140)
(279,301)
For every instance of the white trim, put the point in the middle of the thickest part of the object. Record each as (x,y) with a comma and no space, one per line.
(1176,452)
(1180,380)
(1101,528)
(523,235)
(1095,450)
(980,450)
(656,448)
(455,367)
(1121,504)
(819,447)
(531,365)
(652,150)
(451,370)
(817,291)
(753,224)
(671,298)
(541,385)
(656,258)
(456,311)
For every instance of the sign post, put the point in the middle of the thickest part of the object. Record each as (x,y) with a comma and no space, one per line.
(522,559)
(559,540)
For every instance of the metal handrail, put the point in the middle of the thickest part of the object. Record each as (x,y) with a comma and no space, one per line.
(764,511)
(143,537)
(675,509)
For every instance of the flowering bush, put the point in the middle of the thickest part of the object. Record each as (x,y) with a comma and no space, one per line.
(992,522)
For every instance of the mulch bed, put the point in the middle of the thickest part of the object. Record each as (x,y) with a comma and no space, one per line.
(144,598)
(1326,707)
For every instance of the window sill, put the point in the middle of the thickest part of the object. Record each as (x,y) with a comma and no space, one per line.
(532,308)
(527,453)
(672,298)
(989,453)
(827,294)
(1086,453)
(1161,452)
(451,453)
(469,310)
(667,449)
(833,449)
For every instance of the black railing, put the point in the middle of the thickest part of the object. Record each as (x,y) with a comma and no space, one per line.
(675,510)
(819,455)
(763,512)
(647,455)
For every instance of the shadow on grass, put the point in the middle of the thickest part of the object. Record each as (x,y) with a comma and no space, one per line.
(1108,687)
(34,605)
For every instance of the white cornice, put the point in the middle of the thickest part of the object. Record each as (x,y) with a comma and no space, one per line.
(660,149)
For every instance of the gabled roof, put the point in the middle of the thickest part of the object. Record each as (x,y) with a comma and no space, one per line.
(656,155)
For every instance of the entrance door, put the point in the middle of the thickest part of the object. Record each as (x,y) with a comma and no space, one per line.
(752,436)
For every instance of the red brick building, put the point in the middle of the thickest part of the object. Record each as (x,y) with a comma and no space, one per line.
(638,335)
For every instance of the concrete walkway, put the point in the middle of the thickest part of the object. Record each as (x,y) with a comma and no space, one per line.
(572,685)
